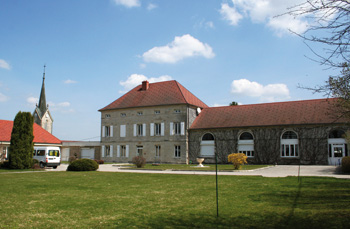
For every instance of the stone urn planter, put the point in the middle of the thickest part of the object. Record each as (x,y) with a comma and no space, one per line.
(200,161)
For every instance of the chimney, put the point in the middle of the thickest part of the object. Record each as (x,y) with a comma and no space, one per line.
(145,85)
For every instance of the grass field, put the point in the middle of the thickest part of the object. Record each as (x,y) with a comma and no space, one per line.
(108,200)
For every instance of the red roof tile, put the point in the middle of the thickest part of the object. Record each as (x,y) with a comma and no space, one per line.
(40,135)
(161,93)
(316,111)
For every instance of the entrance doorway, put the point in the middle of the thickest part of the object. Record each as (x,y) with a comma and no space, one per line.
(337,152)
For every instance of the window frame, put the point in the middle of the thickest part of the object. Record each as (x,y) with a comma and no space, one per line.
(289,147)
(177,151)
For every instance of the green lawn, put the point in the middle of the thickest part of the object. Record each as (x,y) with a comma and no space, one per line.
(108,200)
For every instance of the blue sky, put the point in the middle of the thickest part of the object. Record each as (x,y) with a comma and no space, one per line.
(96,50)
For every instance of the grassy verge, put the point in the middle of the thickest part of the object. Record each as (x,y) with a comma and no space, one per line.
(108,200)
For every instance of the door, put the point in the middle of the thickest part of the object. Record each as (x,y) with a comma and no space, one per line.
(337,151)
(88,153)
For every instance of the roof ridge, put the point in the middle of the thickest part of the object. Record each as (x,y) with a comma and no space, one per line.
(260,104)
(178,85)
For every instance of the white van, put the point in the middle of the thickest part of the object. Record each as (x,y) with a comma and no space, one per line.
(47,156)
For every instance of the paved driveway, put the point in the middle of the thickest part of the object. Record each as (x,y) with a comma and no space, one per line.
(273,171)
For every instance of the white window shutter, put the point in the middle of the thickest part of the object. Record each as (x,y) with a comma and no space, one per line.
(144,129)
(111,149)
(122,131)
(152,129)
(118,150)
(127,150)
(103,151)
(134,130)
(171,128)
(111,129)
(182,128)
(103,131)
(162,129)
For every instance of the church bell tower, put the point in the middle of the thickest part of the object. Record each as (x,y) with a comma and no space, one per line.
(41,114)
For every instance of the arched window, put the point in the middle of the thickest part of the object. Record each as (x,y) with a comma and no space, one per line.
(207,145)
(337,134)
(337,147)
(289,144)
(246,144)
(208,137)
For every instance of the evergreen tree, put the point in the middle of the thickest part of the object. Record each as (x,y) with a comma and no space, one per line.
(21,146)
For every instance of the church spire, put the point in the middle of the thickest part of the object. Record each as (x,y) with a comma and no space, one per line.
(42,100)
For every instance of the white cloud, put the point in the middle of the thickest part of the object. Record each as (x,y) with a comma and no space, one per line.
(230,14)
(69,81)
(136,79)
(268,93)
(151,6)
(128,3)
(265,12)
(3,98)
(4,64)
(32,101)
(182,47)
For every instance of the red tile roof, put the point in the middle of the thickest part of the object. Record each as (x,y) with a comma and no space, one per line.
(316,111)
(161,93)
(40,135)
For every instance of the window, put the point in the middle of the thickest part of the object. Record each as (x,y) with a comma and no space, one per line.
(123,151)
(158,128)
(4,151)
(337,134)
(246,144)
(140,113)
(177,111)
(139,130)
(40,152)
(54,153)
(123,115)
(157,112)
(107,131)
(289,144)
(207,145)
(139,151)
(177,128)
(107,115)
(177,151)
(157,150)
(107,151)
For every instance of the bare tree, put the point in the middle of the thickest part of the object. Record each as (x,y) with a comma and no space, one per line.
(329,25)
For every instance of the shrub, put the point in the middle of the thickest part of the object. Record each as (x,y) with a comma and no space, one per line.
(139,161)
(237,159)
(71,159)
(4,165)
(100,162)
(345,164)
(83,165)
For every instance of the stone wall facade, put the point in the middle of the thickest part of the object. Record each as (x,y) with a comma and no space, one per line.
(312,143)
(127,132)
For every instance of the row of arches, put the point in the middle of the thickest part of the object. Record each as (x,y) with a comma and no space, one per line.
(289,144)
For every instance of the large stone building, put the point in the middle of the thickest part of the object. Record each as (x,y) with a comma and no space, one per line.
(150,120)
(166,123)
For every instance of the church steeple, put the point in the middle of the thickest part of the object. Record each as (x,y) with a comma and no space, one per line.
(42,100)
(41,113)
